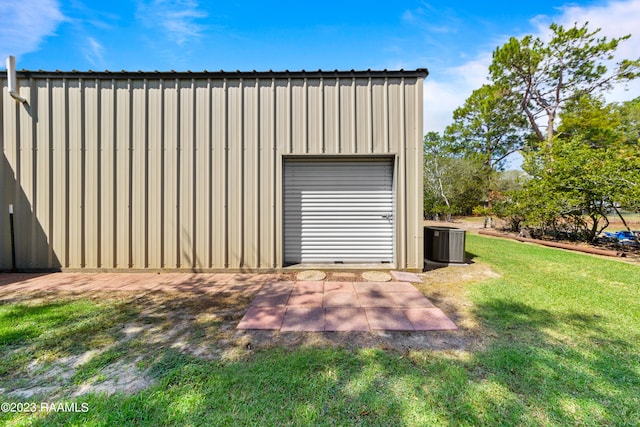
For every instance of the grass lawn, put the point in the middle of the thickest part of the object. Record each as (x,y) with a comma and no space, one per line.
(561,347)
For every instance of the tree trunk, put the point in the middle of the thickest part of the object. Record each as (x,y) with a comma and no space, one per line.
(551,119)
(444,197)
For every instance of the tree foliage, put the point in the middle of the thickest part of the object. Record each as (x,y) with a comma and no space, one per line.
(452,183)
(582,155)
(487,128)
(544,76)
(591,168)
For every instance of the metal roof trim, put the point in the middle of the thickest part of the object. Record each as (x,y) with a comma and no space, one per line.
(419,72)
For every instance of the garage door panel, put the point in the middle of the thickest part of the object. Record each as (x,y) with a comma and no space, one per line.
(338,211)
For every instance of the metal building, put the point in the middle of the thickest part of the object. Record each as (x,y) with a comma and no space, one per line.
(207,171)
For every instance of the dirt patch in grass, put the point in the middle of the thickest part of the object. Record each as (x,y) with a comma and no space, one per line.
(143,325)
(471,223)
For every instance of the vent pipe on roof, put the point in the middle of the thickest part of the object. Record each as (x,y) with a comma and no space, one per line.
(12,80)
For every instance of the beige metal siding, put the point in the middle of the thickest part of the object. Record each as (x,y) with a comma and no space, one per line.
(145,171)
(415,233)
(154,179)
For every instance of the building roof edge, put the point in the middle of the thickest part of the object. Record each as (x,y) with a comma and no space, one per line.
(419,72)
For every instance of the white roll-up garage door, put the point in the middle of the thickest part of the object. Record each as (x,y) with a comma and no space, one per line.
(338,211)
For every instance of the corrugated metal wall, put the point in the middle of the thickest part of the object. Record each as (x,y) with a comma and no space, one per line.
(184,170)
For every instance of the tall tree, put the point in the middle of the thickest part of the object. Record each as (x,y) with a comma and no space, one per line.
(489,125)
(544,76)
(490,128)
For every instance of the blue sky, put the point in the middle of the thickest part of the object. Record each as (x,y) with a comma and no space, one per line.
(453,39)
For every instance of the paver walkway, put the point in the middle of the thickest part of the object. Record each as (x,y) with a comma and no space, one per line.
(281,305)
(204,283)
(343,306)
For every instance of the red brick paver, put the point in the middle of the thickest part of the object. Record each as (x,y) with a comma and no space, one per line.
(409,299)
(117,282)
(429,319)
(302,287)
(262,318)
(308,299)
(388,319)
(303,319)
(272,300)
(338,287)
(346,319)
(350,306)
(341,299)
(405,276)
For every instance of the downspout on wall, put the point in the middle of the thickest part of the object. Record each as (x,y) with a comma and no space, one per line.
(11,80)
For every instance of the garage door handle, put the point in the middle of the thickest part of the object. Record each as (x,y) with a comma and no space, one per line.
(387,216)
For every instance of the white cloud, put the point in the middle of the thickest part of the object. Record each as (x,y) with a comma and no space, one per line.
(615,19)
(426,18)
(448,90)
(177,17)
(93,52)
(409,17)
(445,92)
(26,23)
(440,99)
